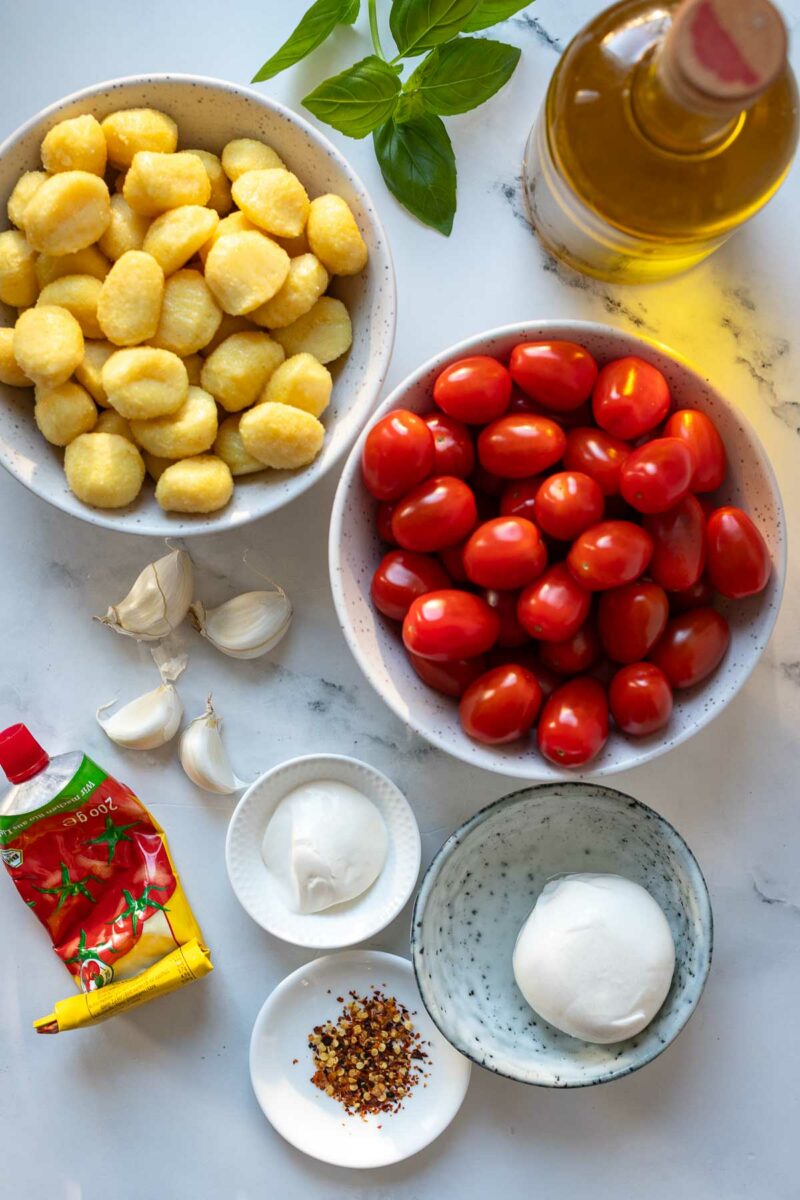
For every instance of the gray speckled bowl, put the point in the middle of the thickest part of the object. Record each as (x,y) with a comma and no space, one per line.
(355,550)
(479,890)
(210,112)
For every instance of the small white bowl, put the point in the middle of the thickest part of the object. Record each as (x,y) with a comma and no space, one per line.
(316,1123)
(355,551)
(209,113)
(478,892)
(344,924)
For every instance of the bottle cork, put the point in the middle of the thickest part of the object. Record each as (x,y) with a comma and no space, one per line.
(720,55)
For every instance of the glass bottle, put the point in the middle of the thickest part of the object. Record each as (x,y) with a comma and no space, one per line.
(665,127)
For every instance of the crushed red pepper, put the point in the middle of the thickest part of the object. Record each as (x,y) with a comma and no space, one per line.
(371,1057)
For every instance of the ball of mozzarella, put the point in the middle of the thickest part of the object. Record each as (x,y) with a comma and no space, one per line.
(595,957)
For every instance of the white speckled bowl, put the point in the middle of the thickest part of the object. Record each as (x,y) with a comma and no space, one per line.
(355,551)
(344,924)
(481,887)
(210,112)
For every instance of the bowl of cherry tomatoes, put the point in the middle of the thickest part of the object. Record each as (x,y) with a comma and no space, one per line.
(557,548)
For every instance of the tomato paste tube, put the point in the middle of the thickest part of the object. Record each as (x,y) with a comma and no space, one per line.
(91,862)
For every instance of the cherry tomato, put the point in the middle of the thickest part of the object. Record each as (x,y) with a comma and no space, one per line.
(554,607)
(383,522)
(484,481)
(504,604)
(574,655)
(519,446)
(505,553)
(449,678)
(520,403)
(573,727)
(738,559)
(528,657)
(558,375)
(679,545)
(453,451)
(518,498)
(397,454)
(501,705)
(475,390)
(699,595)
(640,699)
(657,475)
(567,503)
(598,455)
(435,514)
(692,646)
(449,625)
(610,554)
(453,561)
(700,434)
(631,619)
(402,576)
(630,397)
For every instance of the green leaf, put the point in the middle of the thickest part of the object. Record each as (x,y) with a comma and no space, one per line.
(359,99)
(315,26)
(489,12)
(419,25)
(463,74)
(419,168)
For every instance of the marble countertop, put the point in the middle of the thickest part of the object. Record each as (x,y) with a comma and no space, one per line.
(159,1102)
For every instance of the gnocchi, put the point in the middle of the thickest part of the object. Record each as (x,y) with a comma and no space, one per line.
(63,413)
(176,235)
(178,324)
(104,469)
(67,212)
(238,370)
(190,430)
(77,144)
(244,270)
(133,129)
(129,305)
(195,485)
(79,295)
(48,344)
(280,436)
(190,315)
(274,200)
(144,382)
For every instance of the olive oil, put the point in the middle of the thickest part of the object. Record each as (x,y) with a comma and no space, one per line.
(666,126)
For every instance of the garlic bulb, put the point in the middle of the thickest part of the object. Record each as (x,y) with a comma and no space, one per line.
(145,723)
(246,626)
(158,600)
(204,758)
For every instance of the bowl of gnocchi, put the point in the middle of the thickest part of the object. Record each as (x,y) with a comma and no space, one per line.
(197,305)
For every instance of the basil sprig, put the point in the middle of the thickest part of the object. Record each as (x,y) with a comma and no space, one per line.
(457,74)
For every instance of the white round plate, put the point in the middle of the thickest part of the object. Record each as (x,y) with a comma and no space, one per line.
(317,1124)
(344,924)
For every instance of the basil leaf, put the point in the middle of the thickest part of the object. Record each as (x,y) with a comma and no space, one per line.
(463,74)
(419,25)
(315,26)
(419,168)
(359,99)
(489,12)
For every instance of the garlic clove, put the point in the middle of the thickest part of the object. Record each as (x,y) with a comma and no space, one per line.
(246,626)
(204,758)
(158,600)
(145,723)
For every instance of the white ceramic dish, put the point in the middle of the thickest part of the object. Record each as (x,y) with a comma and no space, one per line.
(355,551)
(344,924)
(314,1122)
(482,885)
(210,112)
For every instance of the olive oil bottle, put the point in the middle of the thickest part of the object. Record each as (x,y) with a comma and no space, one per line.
(666,125)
